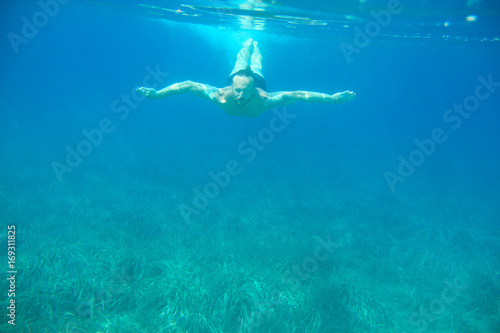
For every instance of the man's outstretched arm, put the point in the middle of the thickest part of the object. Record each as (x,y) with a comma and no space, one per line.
(199,89)
(288,97)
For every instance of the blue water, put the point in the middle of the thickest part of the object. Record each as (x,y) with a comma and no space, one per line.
(133,215)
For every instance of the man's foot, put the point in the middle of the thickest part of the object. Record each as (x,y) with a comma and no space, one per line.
(249,43)
(256,50)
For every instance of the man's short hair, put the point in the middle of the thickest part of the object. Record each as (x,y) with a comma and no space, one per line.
(247,73)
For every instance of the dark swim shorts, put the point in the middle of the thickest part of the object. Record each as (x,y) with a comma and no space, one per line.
(258,80)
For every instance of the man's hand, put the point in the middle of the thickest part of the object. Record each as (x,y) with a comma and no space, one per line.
(148,92)
(342,97)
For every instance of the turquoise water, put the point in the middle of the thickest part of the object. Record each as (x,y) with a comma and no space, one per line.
(133,215)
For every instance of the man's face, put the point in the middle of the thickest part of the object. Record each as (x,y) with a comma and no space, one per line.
(242,89)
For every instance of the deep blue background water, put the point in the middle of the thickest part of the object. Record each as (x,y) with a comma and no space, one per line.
(65,79)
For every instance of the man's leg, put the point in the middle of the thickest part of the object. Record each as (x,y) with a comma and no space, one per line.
(243,56)
(256,60)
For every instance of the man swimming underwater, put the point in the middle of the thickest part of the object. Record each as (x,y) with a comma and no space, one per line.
(246,95)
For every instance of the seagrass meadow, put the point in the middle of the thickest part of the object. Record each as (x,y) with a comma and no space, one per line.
(141,190)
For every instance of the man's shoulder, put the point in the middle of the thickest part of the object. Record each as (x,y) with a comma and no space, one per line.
(218,93)
(270,97)
(225,90)
(264,95)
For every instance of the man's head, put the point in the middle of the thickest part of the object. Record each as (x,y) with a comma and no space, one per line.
(243,86)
